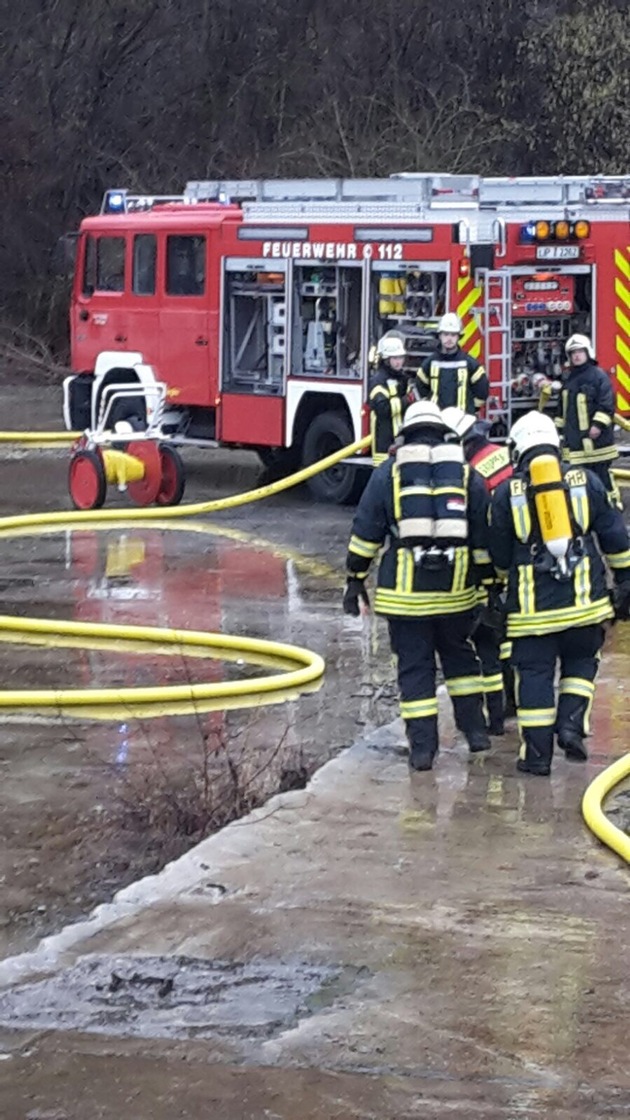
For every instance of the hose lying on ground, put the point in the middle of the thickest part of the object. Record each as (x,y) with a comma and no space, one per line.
(301,667)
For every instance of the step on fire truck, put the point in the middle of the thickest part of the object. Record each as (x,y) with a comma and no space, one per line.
(259,303)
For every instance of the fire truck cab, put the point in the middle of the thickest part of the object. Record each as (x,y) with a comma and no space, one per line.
(259,303)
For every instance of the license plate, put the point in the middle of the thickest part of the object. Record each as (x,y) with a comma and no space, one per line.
(557,252)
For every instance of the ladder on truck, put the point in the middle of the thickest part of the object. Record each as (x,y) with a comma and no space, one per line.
(496,329)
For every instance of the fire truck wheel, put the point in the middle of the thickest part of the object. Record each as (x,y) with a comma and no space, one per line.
(173,481)
(327,433)
(277,461)
(86,480)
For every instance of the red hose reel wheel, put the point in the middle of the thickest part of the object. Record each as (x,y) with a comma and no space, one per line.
(173,482)
(145,490)
(86,479)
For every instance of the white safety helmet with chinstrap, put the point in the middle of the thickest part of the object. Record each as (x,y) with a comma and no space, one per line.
(422,413)
(580,342)
(390,347)
(450,324)
(458,421)
(535,429)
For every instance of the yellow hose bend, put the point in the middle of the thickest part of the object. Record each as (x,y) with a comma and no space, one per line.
(593,812)
(301,667)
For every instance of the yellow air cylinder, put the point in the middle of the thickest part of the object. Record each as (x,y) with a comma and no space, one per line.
(552,506)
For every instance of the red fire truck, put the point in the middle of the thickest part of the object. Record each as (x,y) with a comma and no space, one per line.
(259,303)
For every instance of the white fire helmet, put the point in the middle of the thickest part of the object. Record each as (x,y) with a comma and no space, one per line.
(450,324)
(534,429)
(580,342)
(421,413)
(458,421)
(390,347)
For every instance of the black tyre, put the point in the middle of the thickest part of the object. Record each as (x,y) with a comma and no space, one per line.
(327,433)
(173,481)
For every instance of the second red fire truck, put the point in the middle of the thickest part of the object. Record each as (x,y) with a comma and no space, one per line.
(259,303)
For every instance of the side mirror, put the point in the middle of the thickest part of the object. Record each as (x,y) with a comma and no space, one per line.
(64,255)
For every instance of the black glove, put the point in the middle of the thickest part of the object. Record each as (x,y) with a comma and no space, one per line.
(621,601)
(355,591)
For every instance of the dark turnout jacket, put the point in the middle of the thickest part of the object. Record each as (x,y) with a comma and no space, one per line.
(453,378)
(587,400)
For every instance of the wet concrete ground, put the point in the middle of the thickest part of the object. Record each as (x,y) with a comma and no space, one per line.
(371,946)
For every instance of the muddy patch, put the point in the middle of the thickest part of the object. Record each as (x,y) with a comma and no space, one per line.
(176,997)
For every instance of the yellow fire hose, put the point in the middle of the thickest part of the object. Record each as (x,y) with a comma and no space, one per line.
(304,667)
(301,667)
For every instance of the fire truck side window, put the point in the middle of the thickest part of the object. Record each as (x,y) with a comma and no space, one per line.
(144,261)
(110,264)
(408,299)
(89,267)
(185,265)
(254,327)
(326,333)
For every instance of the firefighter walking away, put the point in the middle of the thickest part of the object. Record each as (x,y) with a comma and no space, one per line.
(550,525)
(586,412)
(451,377)
(388,396)
(493,463)
(431,509)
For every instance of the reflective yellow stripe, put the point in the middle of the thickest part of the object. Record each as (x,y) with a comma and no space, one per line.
(582,412)
(477,375)
(597,455)
(435,380)
(505,651)
(619,559)
(367,549)
(420,603)
(481,556)
(404,571)
(419,709)
(579,506)
(576,686)
(464,686)
(396,492)
(526,588)
(602,419)
(547,622)
(520,510)
(493,683)
(536,717)
(460,569)
(462,387)
(582,582)
(406,490)
(396,407)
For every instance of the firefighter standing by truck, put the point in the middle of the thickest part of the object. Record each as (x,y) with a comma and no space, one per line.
(432,510)
(451,377)
(587,412)
(493,463)
(388,396)
(549,526)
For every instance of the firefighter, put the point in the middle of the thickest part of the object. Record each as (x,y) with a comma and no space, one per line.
(587,411)
(493,462)
(388,396)
(450,376)
(432,511)
(549,526)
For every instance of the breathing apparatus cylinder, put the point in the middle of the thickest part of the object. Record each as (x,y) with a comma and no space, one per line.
(552,506)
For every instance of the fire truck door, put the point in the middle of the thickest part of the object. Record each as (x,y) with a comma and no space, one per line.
(185,350)
(100,312)
(497,335)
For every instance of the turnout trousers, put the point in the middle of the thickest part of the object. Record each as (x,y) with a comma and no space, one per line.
(417,641)
(539,715)
(487,643)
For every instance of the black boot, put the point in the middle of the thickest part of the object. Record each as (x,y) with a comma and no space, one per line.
(572,744)
(470,719)
(494,706)
(421,756)
(422,735)
(531,766)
